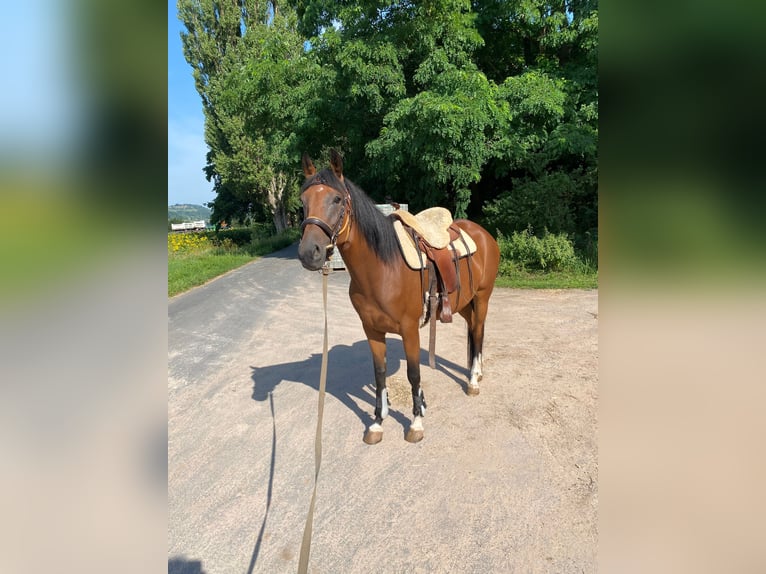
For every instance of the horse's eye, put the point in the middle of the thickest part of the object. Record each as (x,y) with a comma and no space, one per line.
(337,199)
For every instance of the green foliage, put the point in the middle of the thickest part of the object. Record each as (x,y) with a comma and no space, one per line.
(226,207)
(265,245)
(255,238)
(260,231)
(589,249)
(537,99)
(550,201)
(523,250)
(439,141)
(487,108)
(238,236)
(256,83)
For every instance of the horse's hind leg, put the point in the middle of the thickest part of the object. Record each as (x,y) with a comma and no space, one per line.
(377,341)
(475,314)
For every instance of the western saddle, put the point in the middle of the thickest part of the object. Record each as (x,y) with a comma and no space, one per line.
(439,244)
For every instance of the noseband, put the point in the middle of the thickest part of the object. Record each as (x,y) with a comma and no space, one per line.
(334,231)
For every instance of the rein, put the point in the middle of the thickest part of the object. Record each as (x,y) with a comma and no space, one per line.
(303,562)
(332,233)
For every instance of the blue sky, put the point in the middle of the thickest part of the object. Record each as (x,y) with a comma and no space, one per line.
(186,143)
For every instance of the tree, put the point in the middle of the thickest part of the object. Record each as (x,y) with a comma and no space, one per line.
(437,142)
(213,33)
(227,206)
(412,104)
(462,103)
(488,107)
(264,104)
(247,58)
(552,89)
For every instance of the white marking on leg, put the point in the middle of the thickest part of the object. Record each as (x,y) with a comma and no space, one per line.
(422,403)
(384,407)
(475,371)
(417,424)
(375,427)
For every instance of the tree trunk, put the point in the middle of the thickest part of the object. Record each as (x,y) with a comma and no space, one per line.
(277,201)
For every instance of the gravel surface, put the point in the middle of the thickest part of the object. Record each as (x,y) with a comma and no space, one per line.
(502,482)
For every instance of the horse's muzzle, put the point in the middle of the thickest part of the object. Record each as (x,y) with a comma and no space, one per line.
(312,254)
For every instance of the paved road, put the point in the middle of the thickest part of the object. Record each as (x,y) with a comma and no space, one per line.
(502,482)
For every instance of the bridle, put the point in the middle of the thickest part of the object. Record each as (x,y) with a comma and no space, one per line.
(340,225)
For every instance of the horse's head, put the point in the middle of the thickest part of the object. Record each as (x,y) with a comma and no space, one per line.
(326,211)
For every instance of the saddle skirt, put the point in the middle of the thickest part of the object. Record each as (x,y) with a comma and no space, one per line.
(432,225)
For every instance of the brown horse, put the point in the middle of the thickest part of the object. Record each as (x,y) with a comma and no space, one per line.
(386,293)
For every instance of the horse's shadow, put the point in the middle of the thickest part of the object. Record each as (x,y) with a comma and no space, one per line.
(349,379)
(180,565)
(349,376)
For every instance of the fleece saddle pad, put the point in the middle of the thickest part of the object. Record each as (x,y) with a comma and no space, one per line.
(433,226)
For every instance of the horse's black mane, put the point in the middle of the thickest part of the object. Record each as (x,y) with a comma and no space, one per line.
(376,228)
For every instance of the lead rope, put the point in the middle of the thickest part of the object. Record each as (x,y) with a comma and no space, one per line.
(303,562)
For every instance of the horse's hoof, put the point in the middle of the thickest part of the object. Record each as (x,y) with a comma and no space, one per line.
(373,437)
(414,435)
(472,390)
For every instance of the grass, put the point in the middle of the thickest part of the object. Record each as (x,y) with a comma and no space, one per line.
(193,270)
(194,260)
(549,280)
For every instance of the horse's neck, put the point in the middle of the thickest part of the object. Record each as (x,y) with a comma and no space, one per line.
(361,261)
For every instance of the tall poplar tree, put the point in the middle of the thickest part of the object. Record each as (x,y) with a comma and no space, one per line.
(254,75)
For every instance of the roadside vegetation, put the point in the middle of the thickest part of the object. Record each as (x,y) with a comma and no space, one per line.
(196,258)
(527,261)
(547,262)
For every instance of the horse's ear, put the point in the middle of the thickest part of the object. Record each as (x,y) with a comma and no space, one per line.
(308,166)
(336,163)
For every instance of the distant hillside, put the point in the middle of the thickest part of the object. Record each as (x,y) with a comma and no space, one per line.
(188,212)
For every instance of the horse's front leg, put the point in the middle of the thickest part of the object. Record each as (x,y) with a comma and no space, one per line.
(377,343)
(411,342)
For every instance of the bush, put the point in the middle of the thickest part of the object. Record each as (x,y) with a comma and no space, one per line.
(589,248)
(523,250)
(261,231)
(563,202)
(239,236)
(274,242)
(243,236)
(542,202)
(224,246)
